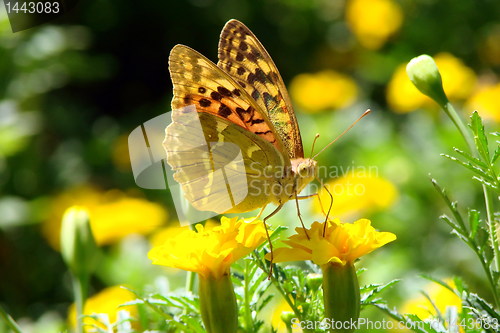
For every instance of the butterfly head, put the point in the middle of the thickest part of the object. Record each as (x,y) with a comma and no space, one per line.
(305,169)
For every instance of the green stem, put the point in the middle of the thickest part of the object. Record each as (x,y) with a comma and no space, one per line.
(450,111)
(9,321)
(190,279)
(80,290)
(490,278)
(492,229)
(247,310)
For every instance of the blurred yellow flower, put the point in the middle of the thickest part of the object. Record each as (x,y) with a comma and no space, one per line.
(458,82)
(342,243)
(209,251)
(458,79)
(355,193)
(106,302)
(323,90)
(440,296)
(402,95)
(113,214)
(373,21)
(280,309)
(486,102)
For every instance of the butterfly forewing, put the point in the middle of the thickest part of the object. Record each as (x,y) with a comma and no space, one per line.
(198,81)
(245,59)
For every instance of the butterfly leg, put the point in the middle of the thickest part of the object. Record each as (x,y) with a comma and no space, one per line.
(300,215)
(260,212)
(269,238)
(329,208)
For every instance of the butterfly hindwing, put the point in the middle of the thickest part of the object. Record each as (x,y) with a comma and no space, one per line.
(220,166)
(245,59)
(198,81)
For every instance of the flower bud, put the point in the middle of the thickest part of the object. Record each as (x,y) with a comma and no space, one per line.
(78,247)
(424,74)
(341,296)
(314,281)
(218,304)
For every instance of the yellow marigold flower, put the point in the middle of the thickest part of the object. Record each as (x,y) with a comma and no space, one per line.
(373,21)
(441,297)
(458,82)
(343,242)
(210,251)
(485,101)
(106,302)
(356,193)
(323,90)
(160,236)
(113,214)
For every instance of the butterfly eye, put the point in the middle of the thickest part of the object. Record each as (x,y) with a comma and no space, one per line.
(302,170)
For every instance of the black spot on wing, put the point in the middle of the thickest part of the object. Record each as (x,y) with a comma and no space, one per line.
(205,102)
(215,95)
(243,46)
(224,110)
(224,91)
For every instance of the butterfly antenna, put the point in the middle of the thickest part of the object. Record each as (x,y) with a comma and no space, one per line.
(314,142)
(344,132)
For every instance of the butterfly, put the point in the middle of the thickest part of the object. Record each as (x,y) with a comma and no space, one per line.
(234,142)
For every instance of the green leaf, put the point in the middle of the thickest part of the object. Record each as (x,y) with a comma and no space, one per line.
(479,136)
(471,158)
(481,307)
(411,320)
(369,292)
(486,183)
(452,206)
(496,155)
(459,284)
(440,282)
(469,166)
(473,222)
(452,224)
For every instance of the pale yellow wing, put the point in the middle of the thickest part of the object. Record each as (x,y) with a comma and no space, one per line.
(245,59)
(198,81)
(221,166)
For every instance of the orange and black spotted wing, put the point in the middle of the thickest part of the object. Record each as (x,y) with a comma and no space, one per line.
(246,60)
(198,81)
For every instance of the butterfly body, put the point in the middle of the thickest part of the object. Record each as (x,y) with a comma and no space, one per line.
(234,142)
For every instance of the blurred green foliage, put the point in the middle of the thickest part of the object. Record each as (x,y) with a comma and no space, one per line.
(71,90)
